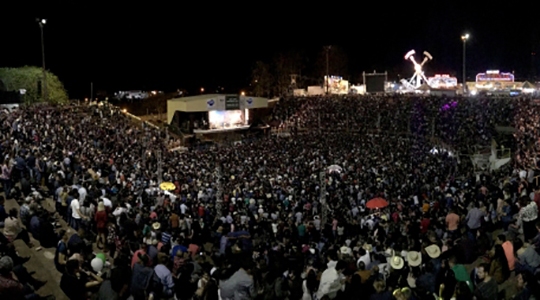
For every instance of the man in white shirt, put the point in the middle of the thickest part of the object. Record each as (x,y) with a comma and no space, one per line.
(82,194)
(332,281)
(76,215)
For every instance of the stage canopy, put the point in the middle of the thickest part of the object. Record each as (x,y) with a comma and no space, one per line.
(211,102)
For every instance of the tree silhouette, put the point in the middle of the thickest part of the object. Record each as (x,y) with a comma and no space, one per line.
(284,65)
(261,79)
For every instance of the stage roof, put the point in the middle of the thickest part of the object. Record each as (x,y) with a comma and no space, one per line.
(208,102)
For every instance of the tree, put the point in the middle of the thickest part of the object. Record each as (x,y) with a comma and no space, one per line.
(286,64)
(338,63)
(28,78)
(261,79)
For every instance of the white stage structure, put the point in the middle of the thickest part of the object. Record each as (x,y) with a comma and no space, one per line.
(418,78)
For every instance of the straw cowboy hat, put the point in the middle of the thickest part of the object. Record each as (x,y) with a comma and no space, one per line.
(397,263)
(345,250)
(367,247)
(156,226)
(414,258)
(389,252)
(433,251)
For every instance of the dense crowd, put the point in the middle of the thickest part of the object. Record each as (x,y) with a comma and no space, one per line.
(257,221)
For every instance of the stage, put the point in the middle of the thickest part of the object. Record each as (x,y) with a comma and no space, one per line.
(220,130)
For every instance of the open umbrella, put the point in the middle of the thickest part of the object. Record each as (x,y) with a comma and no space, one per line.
(376,203)
(167,186)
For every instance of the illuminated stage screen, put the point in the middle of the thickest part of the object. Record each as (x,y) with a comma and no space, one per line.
(219,119)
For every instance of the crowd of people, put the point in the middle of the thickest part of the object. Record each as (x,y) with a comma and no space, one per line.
(256,220)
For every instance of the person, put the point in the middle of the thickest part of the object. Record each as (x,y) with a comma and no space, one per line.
(5,177)
(460,272)
(141,277)
(61,253)
(238,286)
(499,265)
(508,250)
(486,289)
(13,228)
(3,214)
(331,281)
(76,282)
(381,292)
(10,287)
(14,282)
(165,276)
(527,257)
(76,214)
(528,215)
(101,220)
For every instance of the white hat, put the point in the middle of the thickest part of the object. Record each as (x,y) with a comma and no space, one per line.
(397,262)
(433,251)
(389,252)
(367,247)
(414,258)
(345,250)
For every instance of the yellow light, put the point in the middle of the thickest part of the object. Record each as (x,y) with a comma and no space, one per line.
(124,110)
(243,93)
(202,90)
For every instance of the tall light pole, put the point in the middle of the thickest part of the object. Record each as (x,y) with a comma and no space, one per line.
(42,23)
(327,48)
(464,38)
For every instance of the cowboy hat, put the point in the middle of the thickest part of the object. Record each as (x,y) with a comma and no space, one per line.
(367,247)
(345,250)
(389,252)
(156,226)
(397,262)
(433,251)
(414,258)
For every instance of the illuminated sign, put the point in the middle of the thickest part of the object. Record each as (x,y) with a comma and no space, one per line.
(442,81)
(494,75)
(336,85)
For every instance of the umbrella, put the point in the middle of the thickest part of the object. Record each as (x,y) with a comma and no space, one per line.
(335,168)
(376,203)
(167,186)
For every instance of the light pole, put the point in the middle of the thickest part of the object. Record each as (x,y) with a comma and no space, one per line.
(327,48)
(42,23)
(464,38)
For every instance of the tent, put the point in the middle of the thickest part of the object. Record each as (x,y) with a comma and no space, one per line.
(528,85)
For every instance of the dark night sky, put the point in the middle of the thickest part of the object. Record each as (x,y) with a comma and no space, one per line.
(188,46)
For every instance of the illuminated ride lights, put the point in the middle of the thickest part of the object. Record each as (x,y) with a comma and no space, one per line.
(416,80)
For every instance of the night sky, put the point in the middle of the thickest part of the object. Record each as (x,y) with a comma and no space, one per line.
(185,46)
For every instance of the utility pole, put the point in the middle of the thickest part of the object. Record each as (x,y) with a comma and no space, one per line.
(464,38)
(91,91)
(327,48)
(322,198)
(42,23)
(160,167)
